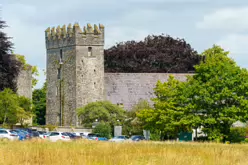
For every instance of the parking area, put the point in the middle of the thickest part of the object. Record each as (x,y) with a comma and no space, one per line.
(23,134)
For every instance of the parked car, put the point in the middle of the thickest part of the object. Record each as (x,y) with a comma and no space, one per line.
(35,134)
(119,138)
(42,132)
(23,135)
(45,135)
(27,134)
(6,134)
(97,137)
(73,136)
(137,138)
(58,136)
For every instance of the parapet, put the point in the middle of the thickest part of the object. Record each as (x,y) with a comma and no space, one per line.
(74,35)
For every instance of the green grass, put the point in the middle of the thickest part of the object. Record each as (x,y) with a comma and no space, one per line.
(101,153)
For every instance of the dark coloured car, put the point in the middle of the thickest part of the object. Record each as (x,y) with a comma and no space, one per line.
(35,134)
(137,138)
(73,136)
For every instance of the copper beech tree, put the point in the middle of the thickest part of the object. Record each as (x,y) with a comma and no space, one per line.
(156,54)
(9,65)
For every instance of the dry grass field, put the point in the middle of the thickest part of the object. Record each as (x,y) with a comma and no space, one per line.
(106,153)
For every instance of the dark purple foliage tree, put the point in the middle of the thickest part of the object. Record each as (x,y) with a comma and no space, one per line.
(156,54)
(9,65)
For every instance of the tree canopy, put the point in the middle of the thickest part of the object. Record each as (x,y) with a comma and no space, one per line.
(14,108)
(158,54)
(103,111)
(214,98)
(39,101)
(9,65)
(132,125)
(218,93)
(26,66)
(168,109)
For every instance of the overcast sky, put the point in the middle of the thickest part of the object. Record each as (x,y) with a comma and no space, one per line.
(201,23)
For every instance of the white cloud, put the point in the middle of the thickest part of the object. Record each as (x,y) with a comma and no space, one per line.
(227,18)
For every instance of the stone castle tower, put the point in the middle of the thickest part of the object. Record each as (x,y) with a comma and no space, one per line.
(75,71)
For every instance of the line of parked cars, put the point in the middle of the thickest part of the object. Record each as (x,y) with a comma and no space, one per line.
(17,134)
(25,134)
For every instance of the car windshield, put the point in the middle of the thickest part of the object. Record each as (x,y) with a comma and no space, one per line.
(16,130)
(120,137)
(64,134)
(41,132)
(12,131)
(134,137)
(92,135)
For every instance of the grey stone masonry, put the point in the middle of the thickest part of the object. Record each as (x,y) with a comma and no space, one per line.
(75,69)
(129,88)
(24,83)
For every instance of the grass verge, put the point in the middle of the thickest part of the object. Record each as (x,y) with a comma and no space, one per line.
(107,153)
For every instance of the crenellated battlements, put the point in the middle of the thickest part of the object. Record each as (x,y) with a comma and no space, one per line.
(74,35)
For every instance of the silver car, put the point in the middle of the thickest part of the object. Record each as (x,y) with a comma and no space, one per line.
(6,134)
(119,138)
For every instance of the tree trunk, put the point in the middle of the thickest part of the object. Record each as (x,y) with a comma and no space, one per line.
(196,134)
(5,115)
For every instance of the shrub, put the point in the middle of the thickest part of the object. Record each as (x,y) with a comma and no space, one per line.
(103,129)
(237,135)
(50,127)
(155,136)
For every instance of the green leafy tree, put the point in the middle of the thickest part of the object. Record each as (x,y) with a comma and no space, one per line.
(218,93)
(26,66)
(237,135)
(35,73)
(168,109)
(25,111)
(214,98)
(103,129)
(39,102)
(103,111)
(14,108)
(8,106)
(132,124)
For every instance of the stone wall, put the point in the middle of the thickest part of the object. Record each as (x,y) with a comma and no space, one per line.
(24,87)
(24,83)
(129,88)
